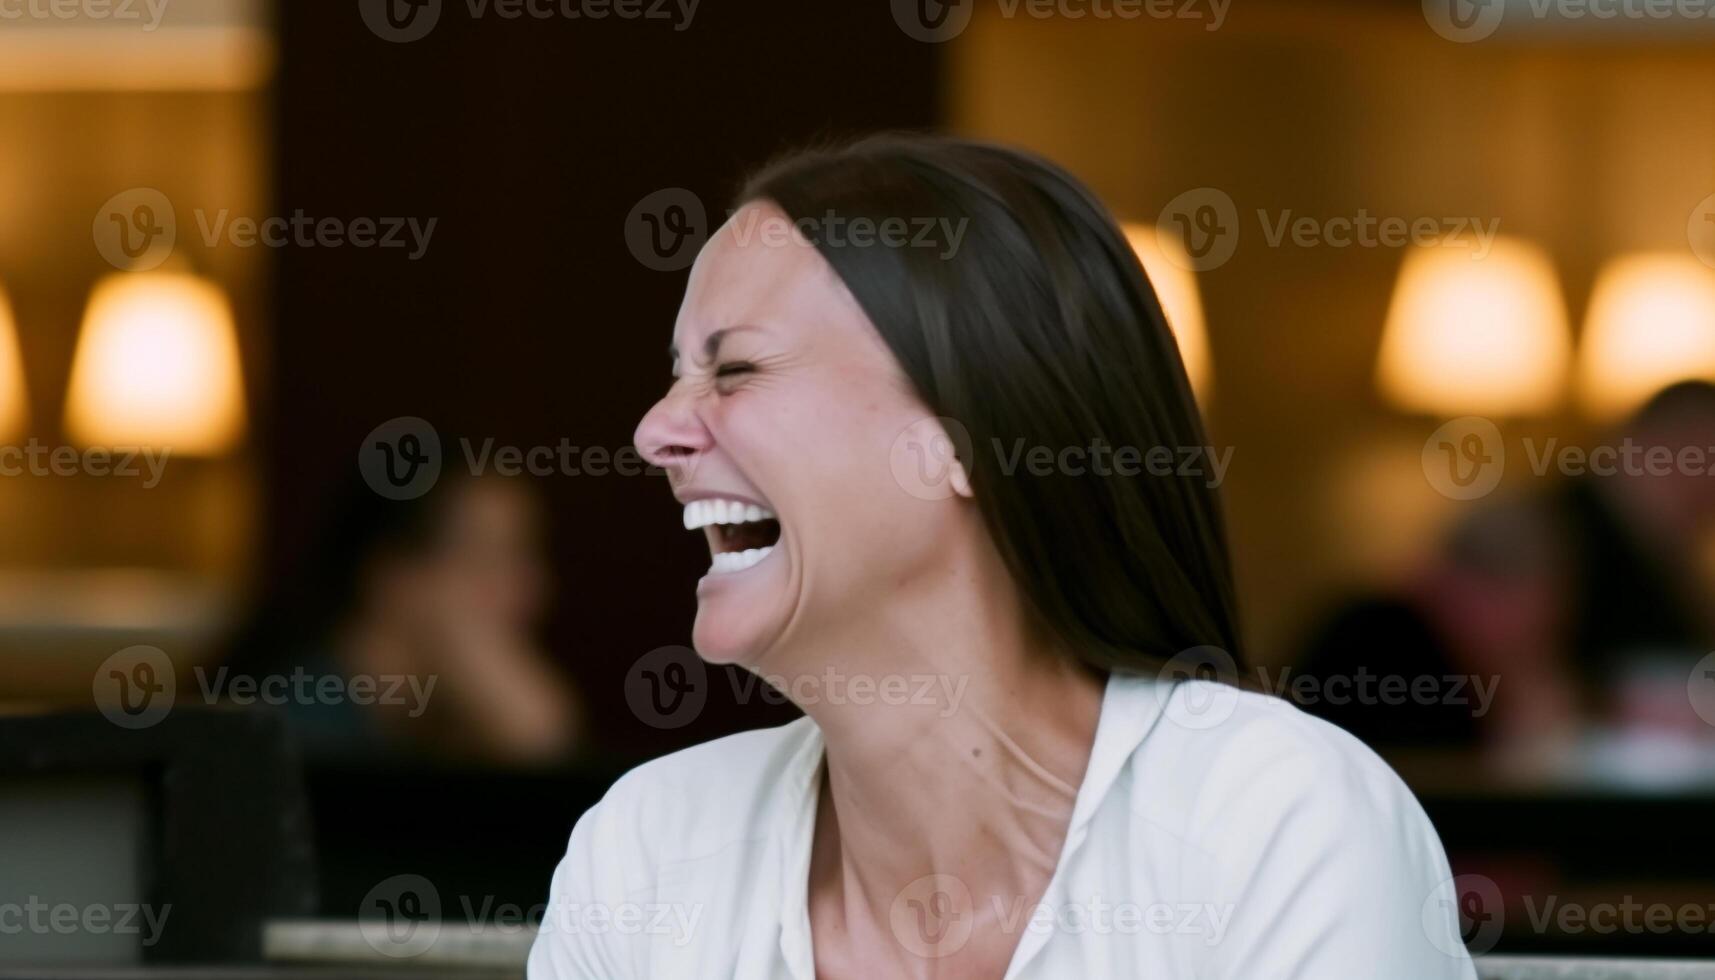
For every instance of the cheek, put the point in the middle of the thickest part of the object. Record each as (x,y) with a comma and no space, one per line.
(848,487)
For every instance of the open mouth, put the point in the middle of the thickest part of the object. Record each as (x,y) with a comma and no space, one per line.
(740,534)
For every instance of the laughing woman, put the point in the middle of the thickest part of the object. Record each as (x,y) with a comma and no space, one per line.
(1061,801)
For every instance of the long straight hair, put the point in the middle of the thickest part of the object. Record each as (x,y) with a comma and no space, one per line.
(1015,306)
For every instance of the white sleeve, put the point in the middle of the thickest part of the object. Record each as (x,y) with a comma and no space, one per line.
(588,886)
(1325,862)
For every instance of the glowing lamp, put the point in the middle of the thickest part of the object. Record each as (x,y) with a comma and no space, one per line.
(1476,336)
(1651,323)
(13,405)
(157,366)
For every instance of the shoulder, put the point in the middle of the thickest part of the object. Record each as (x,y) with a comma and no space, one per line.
(1242,777)
(698,818)
(700,800)
(1317,849)
(1215,746)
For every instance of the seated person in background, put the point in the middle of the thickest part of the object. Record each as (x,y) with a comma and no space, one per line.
(434,600)
(1589,604)
(1490,602)
(1643,602)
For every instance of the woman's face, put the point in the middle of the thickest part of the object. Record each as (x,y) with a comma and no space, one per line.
(786,404)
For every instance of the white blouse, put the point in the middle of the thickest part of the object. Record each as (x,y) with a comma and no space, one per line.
(1218,833)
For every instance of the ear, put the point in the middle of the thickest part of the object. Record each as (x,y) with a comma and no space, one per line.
(960,479)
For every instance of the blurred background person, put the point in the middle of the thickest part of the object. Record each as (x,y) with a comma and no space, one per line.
(1642,600)
(1585,605)
(436,600)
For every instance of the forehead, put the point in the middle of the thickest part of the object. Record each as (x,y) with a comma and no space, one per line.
(757,270)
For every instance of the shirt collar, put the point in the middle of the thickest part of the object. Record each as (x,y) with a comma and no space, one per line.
(1131,705)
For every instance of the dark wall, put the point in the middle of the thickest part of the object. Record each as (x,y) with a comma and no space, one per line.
(528,319)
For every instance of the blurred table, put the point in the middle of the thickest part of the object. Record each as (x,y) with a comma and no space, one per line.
(1575,839)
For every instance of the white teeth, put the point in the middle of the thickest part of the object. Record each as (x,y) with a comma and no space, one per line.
(726,562)
(702,513)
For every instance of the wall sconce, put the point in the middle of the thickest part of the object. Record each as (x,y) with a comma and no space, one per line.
(157,366)
(1169,270)
(1469,336)
(1651,323)
(14,407)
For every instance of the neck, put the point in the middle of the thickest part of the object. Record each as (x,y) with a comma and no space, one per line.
(963,758)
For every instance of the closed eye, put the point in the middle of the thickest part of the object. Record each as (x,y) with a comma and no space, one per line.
(728,375)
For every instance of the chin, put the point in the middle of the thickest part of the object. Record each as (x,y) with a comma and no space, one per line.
(728,633)
(738,613)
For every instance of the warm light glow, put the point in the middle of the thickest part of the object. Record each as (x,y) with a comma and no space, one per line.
(157,366)
(206,58)
(1469,336)
(1169,270)
(1651,323)
(13,405)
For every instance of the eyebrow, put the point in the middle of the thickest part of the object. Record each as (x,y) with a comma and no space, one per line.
(711,344)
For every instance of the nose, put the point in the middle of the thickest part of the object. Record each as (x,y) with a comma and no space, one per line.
(671,435)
